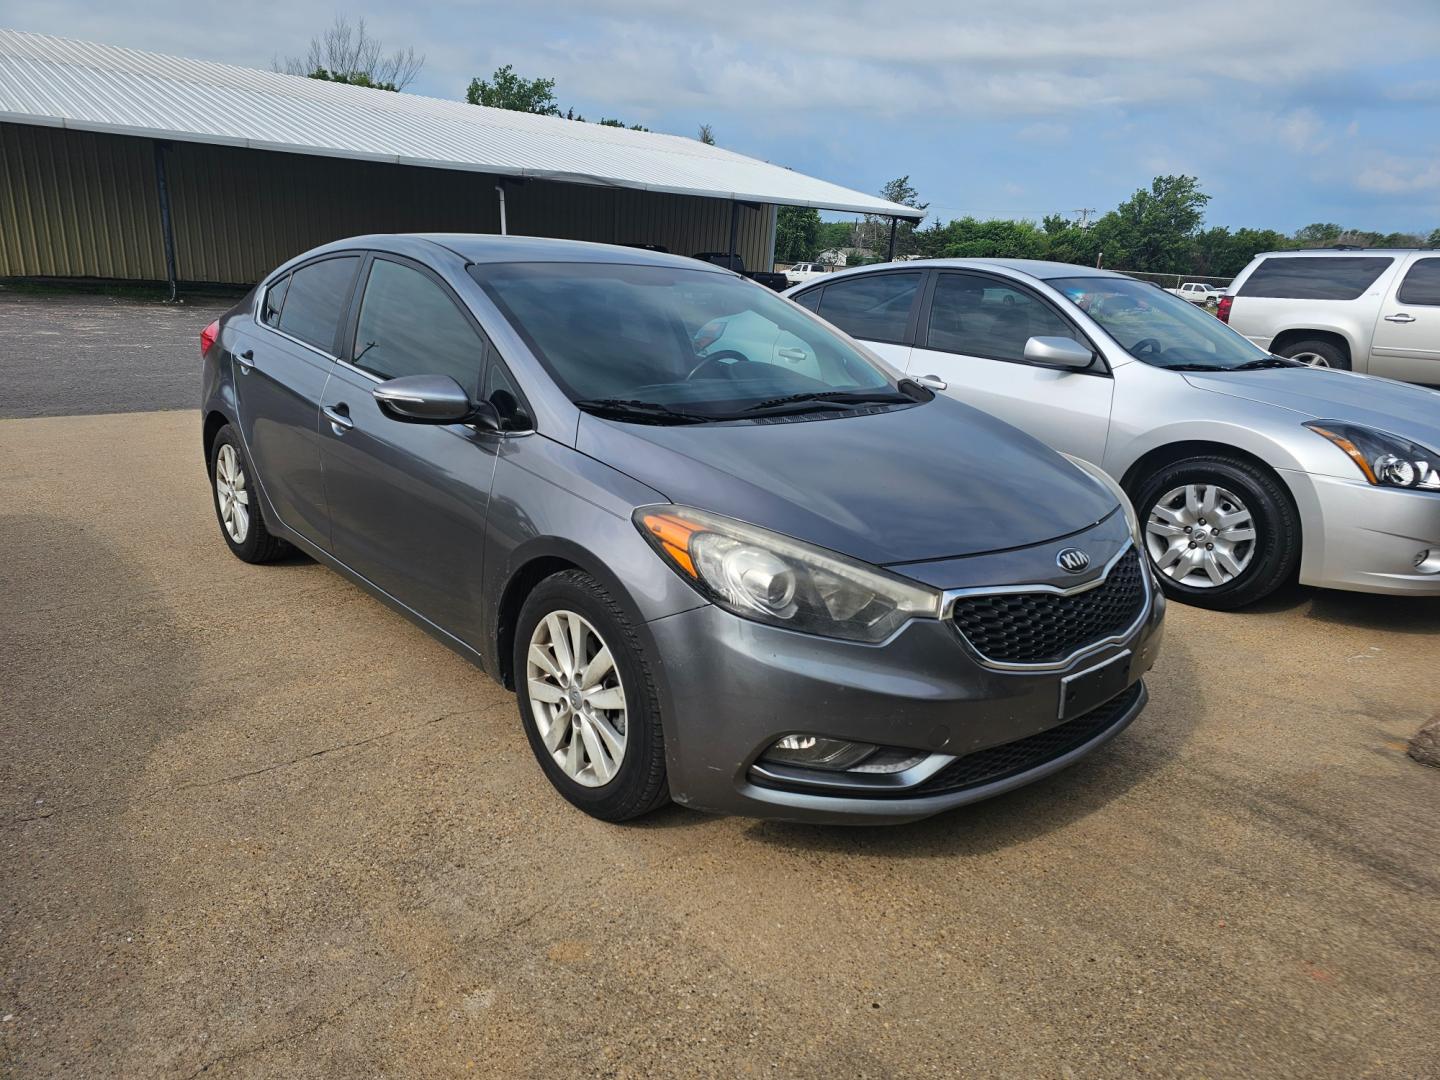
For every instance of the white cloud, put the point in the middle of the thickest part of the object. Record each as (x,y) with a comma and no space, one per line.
(1393,175)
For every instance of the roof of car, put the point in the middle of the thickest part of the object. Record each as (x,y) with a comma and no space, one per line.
(488,248)
(1341,251)
(1036,268)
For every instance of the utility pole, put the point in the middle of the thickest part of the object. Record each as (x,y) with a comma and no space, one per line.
(1084,212)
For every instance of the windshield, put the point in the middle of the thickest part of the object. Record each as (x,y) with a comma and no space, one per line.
(1157,327)
(692,340)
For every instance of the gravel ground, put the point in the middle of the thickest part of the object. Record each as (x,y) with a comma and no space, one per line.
(254,824)
(65,354)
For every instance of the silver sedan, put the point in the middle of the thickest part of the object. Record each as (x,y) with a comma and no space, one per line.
(1247,470)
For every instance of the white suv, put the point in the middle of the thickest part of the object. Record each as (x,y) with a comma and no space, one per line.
(803,272)
(1370,310)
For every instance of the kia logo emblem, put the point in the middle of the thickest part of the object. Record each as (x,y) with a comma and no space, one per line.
(1072,560)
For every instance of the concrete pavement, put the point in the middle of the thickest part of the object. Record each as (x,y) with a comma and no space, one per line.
(254,824)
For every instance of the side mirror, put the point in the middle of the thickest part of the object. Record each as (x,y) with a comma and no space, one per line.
(433,399)
(1058,352)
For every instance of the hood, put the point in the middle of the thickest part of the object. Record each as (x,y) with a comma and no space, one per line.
(931,481)
(1412,412)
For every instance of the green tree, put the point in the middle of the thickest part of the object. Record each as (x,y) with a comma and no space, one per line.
(706,135)
(1320,234)
(1434,240)
(874,234)
(836,235)
(507,90)
(797,233)
(1154,230)
(621,124)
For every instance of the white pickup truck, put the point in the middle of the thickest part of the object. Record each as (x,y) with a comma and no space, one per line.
(802,272)
(1198,293)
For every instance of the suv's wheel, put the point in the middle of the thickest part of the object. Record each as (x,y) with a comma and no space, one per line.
(587,699)
(1220,532)
(1317,353)
(237,503)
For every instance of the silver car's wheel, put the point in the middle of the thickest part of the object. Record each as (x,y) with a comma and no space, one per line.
(232,493)
(1314,359)
(1200,535)
(576,698)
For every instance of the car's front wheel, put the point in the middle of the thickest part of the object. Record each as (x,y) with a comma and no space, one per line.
(1221,532)
(588,700)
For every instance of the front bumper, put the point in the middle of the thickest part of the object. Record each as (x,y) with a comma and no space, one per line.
(731,687)
(1365,538)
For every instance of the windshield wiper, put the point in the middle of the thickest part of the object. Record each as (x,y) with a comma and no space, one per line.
(1267,362)
(653,411)
(841,399)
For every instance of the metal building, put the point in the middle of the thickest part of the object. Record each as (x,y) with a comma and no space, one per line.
(121,164)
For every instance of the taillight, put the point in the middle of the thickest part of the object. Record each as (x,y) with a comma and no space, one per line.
(208,336)
(1223,311)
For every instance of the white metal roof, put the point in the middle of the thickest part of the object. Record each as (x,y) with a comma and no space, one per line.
(61,82)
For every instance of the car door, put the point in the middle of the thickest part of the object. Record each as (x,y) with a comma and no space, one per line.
(280,374)
(972,333)
(408,501)
(1406,344)
(878,309)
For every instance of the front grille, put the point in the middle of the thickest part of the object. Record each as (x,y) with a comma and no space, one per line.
(1047,628)
(997,762)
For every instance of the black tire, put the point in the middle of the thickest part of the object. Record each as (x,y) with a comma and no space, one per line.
(257,545)
(1276,551)
(1331,354)
(639,784)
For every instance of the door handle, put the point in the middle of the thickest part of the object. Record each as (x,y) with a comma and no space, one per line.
(339,417)
(792,354)
(245,359)
(1401,317)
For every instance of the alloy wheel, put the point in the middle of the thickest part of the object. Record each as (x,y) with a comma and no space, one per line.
(576,698)
(1200,535)
(232,494)
(1314,359)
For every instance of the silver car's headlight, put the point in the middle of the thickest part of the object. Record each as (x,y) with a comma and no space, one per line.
(761,575)
(1385,460)
(1103,478)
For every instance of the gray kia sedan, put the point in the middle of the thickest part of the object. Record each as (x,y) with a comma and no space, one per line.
(791,584)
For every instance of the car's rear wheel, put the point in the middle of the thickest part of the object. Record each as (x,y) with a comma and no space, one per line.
(587,699)
(237,503)
(1220,532)
(1317,353)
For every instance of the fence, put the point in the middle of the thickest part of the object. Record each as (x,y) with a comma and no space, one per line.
(1174,281)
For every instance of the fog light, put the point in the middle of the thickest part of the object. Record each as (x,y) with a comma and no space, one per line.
(1428,561)
(818,752)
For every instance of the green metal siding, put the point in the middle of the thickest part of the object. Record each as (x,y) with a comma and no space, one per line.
(84,205)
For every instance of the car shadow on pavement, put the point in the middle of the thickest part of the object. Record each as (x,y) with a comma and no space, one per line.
(1055,802)
(1401,614)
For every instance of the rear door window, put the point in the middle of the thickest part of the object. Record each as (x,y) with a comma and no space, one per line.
(810,300)
(409,325)
(1421,284)
(1337,277)
(316,300)
(873,307)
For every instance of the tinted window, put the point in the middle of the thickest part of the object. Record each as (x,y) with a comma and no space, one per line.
(984,317)
(1325,278)
(274,301)
(408,325)
(873,307)
(1422,283)
(810,299)
(316,301)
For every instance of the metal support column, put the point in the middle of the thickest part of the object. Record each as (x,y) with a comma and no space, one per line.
(167,230)
(734,231)
(894,221)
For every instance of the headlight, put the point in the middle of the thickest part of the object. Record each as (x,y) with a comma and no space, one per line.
(1103,478)
(1386,460)
(761,575)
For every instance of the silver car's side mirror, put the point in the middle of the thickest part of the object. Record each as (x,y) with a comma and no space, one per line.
(1059,352)
(433,399)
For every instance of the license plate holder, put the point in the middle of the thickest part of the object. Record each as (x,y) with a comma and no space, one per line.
(1085,690)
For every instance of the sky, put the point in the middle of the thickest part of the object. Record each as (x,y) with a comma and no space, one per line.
(1288,111)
